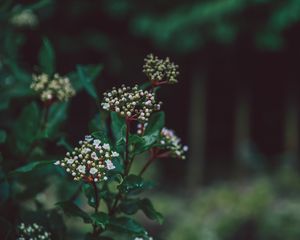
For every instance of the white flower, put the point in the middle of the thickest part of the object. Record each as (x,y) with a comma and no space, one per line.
(109,165)
(57,163)
(185,148)
(106,146)
(88,138)
(81,168)
(70,161)
(96,142)
(105,106)
(93,170)
(115,154)
(94,155)
(86,150)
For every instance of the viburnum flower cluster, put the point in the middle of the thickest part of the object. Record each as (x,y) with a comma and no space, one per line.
(50,89)
(168,140)
(32,232)
(160,70)
(131,102)
(25,18)
(90,161)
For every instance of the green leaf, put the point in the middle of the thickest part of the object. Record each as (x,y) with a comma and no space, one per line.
(126,225)
(133,184)
(118,126)
(89,193)
(101,219)
(31,166)
(72,210)
(26,127)
(57,115)
(131,206)
(98,123)
(63,142)
(87,76)
(47,57)
(155,124)
(101,135)
(2,136)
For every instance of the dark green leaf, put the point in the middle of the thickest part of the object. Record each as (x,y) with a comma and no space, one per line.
(87,76)
(31,166)
(47,57)
(98,123)
(118,126)
(63,142)
(72,210)
(155,124)
(57,115)
(2,136)
(133,184)
(101,135)
(101,219)
(89,193)
(127,225)
(131,206)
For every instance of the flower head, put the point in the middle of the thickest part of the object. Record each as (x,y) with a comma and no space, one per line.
(25,18)
(90,161)
(131,102)
(160,70)
(56,88)
(32,231)
(168,141)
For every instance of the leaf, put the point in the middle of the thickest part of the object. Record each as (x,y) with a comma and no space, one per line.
(26,127)
(98,123)
(101,135)
(57,115)
(131,206)
(89,193)
(87,76)
(155,124)
(72,210)
(118,126)
(101,219)
(63,142)
(133,184)
(2,136)
(127,225)
(47,57)
(31,166)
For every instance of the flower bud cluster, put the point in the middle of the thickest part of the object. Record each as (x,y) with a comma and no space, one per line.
(168,141)
(131,102)
(25,18)
(90,161)
(171,142)
(32,232)
(158,70)
(56,88)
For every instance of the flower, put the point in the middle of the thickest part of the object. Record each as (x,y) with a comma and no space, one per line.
(25,18)
(89,162)
(167,141)
(131,102)
(160,71)
(32,231)
(50,89)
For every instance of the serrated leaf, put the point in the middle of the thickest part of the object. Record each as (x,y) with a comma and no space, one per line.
(131,206)
(72,210)
(87,77)
(31,166)
(133,184)
(101,219)
(127,225)
(47,57)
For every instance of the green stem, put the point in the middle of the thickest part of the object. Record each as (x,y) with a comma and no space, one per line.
(96,230)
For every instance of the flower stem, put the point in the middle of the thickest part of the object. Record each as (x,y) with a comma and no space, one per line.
(96,230)
(127,161)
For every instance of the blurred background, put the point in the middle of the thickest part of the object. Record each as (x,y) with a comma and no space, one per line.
(236,104)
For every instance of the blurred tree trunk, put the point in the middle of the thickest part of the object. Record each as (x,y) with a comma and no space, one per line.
(196,131)
(291,128)
(242,149)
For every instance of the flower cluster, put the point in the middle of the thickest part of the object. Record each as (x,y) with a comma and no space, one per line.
(160,70)
(143,238)
(25,18)
(131,102)
(167,141)
(56,88)
(90,161)
(32,232)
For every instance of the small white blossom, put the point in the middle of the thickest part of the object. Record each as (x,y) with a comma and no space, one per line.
(109,165)
(115,154)
(106,146)
(57,163)
(81,168)
(32,232)
(93,170)
(70,161)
